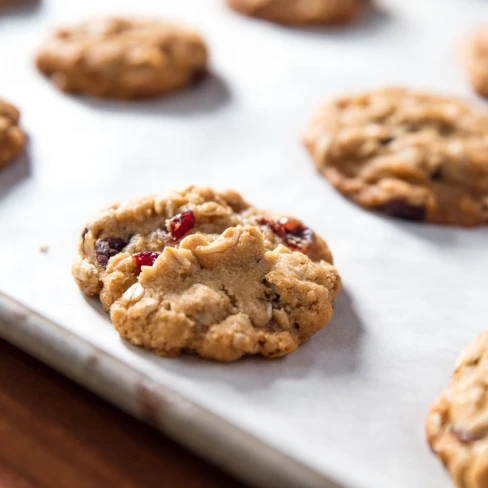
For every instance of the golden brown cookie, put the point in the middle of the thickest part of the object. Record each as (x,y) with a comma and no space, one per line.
(411,155)
(300,12)
(123,58)
(12,138)
(475,57)
(457,424)
(204,272)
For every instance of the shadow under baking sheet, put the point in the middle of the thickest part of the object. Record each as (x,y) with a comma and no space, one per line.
(210,94)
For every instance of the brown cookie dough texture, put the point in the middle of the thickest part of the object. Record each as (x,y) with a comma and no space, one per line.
(123,58)
(411,155)
(457,424)
(229,286)
(475,56)
(300,11)
(12,138)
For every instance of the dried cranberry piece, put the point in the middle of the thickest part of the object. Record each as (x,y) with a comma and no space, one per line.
(144,258)
(292,231)
(465,437)
(107,248)
(402,209)
(274,225)
(180,224)
(297,235)
(116,243)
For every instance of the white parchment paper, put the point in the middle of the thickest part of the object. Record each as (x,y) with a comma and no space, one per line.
(352,402)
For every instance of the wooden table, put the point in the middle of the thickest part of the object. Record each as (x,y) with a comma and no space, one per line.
(54,433)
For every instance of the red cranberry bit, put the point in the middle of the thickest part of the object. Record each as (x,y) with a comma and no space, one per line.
(402,209)
(144,258)
(296,234)
(274,226)
(292,231)
(180,224)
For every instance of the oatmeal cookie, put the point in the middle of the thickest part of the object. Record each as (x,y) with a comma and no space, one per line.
(299,12)
(205,272)
(475,57)
(457,424)
(410,155)
(123,58)
(12,138)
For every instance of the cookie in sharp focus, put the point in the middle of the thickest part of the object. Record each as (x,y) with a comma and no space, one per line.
(12,138)
(475,57)
(457,424)
(411,155)
(300,12)
(123,58)
(204,272)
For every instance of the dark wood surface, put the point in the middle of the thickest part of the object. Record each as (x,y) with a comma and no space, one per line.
(54,433)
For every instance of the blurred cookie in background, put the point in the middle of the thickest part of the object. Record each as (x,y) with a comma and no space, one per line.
(457,424)
(301,12)
(123,58)
(411,155)
(12,138)
(475,58)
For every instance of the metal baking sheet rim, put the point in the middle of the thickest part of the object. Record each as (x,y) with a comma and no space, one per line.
(202,431)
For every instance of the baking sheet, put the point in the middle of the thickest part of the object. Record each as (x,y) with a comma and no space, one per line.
(351,403)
